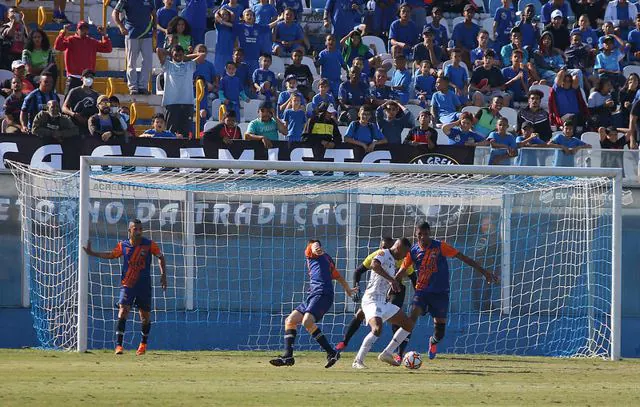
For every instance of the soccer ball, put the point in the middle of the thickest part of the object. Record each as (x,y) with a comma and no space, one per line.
(412,360)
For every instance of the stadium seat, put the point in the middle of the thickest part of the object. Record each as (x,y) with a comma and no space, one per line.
(443,140)
(277,66)
(546,90)
(594,155)
(243,128)
(315,85)
(159,88)
(629,69)
(369,40)
(511,115)
(415,110)
(5,74)
(471,109)
(309,62)
(250,110)
(462,64)
(215,106)
(210,40)
(208,125)
(487,24)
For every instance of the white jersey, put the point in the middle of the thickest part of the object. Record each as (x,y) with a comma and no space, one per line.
(377,286)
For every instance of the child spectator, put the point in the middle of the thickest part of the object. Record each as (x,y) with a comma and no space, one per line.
(515,44)
(533,140)
(331,63)
(465,34)
(225,39)
(342,16)
(424,133)
(242,71)
(503,144)
(529,27)
(403,34)
(401,80)
(303,74)
(323,96)
(266,126)
(578,55)
(359,64)
(503,21)
(380,92)
(477,54)
(393,118)
(427,49)
(236,9)
(226,131)
(291,87)
(609,140)
(516,77)
(249,34)
(295,117)
(609,30)
(608,63)
(19,72)
(548,59)
(164,16)
(460,132)
(440,33)
(425,84)
(158,128)
(567,145)
(445,103)
(458,76)
(588,35)
(352,95)
(352,47)
(363,132)
(180,27)
(231,90)
(206,71)
(264,80)
(322,127)
(487,81)
(195,12)
(288,35)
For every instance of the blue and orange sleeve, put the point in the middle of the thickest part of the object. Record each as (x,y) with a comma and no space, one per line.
(408,262)
(447,250)
(334,271)
(155,249)
(117,251)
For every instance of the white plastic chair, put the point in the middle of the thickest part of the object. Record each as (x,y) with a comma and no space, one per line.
(209,124)
(629,69)
(210,40)
(415,110)
(312,67)
(488,25)
(250,110)
(594,154)
(511,115)
(4,75)
(546,90)
(368,40)
(215,109)
(471,109)
(443,139)
(277,66)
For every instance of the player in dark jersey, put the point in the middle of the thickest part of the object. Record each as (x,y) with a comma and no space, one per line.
(429,258)
(322,271)
(135,286)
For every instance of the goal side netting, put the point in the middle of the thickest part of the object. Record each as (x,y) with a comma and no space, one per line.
(234,244)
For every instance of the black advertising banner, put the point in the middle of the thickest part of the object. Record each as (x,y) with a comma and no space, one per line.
(65,156)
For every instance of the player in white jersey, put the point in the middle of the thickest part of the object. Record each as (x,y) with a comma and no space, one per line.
(375,306)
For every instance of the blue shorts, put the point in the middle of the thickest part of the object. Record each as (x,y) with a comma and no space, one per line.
(134,296)
(436,304)
(317,305)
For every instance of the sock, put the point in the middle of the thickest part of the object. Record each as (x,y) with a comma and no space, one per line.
(322,340)
(403,346)
(145,332)
(367,343)
(289,340)
(354,325)
(438,333)
(397,339)
(120,326)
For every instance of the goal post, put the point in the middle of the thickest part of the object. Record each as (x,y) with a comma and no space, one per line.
(555,298)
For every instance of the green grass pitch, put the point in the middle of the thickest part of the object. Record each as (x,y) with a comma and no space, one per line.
(38,378)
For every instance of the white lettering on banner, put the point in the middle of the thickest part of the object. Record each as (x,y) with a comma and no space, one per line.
(341,214)
(4,208)
(266,213)
(39,156)
(382,156)
(44,210)
(297,213)
(197,152)
(272,155)
(339,155)
(221,213)
(297,154)
(154,152)
(67,212)
(320,215)
(94,211)
(243,214)
(106,151)
(198,209)
(224,154)
(169,212)
(113,217)
(4,149)
(145,211)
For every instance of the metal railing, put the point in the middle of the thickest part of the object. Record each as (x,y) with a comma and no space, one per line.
(200,94)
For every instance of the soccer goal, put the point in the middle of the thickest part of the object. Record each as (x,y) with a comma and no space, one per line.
(234,232)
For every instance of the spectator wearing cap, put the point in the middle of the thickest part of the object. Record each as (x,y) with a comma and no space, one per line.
(291,87)
(80,52)
(465,34)
(178,98)
(104,124)
(51,125)
(392,118)
(622,13)
(559,30)
(38,55)
(567,144)
(440,33)
(352,95)
(342,16)
(137,27)
(266,126)
(226,131)
(427,49)
(536,115)
(82,102)
(551,6)
(404,33)
(322,127)
(15,34)
(487,82)
(607,63)
(19,71)
(37,100)
(528,142)
(122,112)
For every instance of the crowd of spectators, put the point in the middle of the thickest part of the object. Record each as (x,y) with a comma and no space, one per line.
(559,64)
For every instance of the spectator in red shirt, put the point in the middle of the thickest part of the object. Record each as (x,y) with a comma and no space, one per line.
(80,52)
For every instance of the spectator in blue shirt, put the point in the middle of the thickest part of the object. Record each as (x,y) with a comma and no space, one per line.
(288,35)
(195,12)
(206,71)
(165,14)
(460,132)
(225,39)
(530,156)
(609,30)
(401,80)
(352,95)
(516,77)
(323,96)
(264,80)
(444,103)
(231,90)
(608,63)
(477,54)
(404,33)
(503,21)
(458,75)
(634,42)
(425,83)
(529,28)
(265,12)
(380,91)
(235,8)
(465,34)
(342,16)
(363,132)
(392,117)
(567,145)
(295,5)
(427,49)
(588,35)
(36,101)
(503,144)
(295,117)
(440,33)
(158,128)
(249,36)
(331,64)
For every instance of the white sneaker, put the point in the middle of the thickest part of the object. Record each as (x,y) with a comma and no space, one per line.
(358,365)
(388,358)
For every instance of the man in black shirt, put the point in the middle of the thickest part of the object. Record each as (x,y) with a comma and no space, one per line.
(427,49)
(82,102)
(536,115)
(487,81)
(558,30)
(302,73)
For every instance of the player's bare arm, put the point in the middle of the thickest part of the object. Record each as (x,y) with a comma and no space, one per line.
(376,267)
(163,273)
(350,291)
(103,255)
(488,275)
